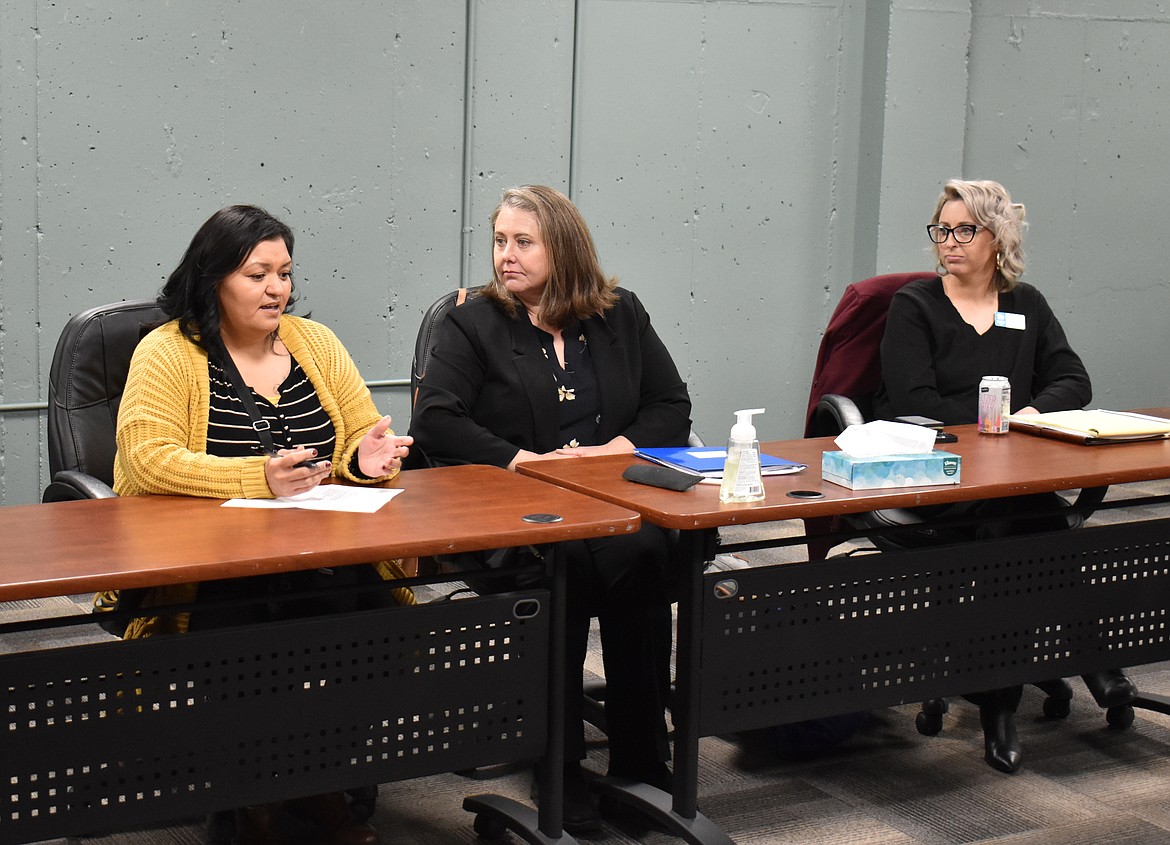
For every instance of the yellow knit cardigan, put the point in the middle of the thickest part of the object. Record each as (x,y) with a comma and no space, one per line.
(162,433)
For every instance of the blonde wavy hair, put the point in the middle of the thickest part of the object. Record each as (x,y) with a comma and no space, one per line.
(991,206)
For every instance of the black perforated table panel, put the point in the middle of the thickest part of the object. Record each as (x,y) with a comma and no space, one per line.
(796,641)
(112,736)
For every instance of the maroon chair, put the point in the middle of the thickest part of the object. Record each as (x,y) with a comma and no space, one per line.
(849,359)
(847,372)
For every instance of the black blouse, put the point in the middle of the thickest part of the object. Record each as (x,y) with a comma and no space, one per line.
(932,360)
(578,401)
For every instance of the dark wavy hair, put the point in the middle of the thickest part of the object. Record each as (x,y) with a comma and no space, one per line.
(221,245)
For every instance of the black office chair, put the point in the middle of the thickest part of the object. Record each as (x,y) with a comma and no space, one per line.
(425,341)
(86,380)
(424,344)
(849,361)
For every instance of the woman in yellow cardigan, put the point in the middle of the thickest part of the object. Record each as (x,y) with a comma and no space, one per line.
(186,427)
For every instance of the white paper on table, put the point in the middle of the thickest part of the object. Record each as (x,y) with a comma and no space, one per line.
(325,497)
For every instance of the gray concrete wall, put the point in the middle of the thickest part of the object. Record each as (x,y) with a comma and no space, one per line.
(739,163)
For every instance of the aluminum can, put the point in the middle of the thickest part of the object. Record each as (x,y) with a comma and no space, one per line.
(995,403)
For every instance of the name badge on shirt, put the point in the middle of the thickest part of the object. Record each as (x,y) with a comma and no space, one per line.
(1008,320)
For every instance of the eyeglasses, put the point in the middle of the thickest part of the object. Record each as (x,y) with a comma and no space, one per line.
(963,234)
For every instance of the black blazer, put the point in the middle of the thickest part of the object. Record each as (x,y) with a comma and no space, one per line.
(488,391)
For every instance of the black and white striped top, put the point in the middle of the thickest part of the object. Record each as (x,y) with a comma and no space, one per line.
(298,420)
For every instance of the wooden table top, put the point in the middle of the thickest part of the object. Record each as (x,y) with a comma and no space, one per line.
(993,466)
(75,547)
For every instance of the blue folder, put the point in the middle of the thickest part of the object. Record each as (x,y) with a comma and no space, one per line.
(709,461)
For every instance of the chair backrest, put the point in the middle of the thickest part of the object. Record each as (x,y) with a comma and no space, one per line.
(86,380)
(425,341)
(849,359)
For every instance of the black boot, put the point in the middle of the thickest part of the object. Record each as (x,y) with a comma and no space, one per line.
(629,819)
(1110,688)
(1000,742)
(579,813)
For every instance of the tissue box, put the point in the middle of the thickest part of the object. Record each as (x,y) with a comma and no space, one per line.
(919,470)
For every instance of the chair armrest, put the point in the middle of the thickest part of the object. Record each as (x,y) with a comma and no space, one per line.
(927,534)
(69,485)
(1088,500)
(833,414)
(923,535)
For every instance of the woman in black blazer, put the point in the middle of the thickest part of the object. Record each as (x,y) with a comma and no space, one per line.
(553,360)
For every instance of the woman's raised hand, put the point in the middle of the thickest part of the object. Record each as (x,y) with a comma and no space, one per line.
(381,453)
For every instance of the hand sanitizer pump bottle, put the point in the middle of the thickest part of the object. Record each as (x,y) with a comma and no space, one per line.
(741,471)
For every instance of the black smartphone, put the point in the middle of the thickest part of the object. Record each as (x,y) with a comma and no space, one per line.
(914,419)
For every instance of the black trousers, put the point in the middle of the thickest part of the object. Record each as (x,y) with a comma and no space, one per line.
(623,581)
(1005,698)
(1000,518)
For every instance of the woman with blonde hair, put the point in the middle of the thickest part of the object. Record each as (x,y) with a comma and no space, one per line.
(976,318)
(942,336)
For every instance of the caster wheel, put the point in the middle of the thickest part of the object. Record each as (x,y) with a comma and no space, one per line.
(928,724)
(1056,708)
(1119,718)
(488,827)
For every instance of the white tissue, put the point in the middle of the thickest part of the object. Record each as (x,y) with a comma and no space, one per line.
(875,439)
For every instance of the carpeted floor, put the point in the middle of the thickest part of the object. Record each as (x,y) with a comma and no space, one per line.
(1082,782)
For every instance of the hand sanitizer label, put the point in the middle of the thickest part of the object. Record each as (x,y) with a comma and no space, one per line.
(747,476)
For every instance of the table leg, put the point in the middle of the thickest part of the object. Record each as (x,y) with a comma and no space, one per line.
(494,813)
(678,813)
(552,773)
(819,532)
(693,552)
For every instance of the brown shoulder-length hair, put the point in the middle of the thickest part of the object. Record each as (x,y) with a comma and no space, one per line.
(577,288)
